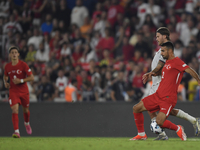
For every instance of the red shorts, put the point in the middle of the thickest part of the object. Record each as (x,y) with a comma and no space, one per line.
(21,98)
(154,103)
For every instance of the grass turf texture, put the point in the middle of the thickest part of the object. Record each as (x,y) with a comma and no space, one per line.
(81,143)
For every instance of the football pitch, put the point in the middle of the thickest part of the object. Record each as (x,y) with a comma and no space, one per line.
(95,143)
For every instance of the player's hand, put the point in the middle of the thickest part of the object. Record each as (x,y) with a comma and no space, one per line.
(7,85)
(16,81)
(145,77)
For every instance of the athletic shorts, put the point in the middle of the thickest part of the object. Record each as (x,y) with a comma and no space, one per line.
(154,103)
(20,98)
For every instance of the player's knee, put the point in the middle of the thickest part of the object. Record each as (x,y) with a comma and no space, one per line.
(159,122)
(174,112)
(135,108)
(14,110)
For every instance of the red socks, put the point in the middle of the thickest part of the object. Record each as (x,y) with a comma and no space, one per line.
(139,121)
(27,116)
(169,125)
(15,121)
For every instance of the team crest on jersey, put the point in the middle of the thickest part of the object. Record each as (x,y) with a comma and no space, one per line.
(19,71)
(168,66)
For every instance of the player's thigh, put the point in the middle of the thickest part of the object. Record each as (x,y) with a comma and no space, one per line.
(174,112)
(161,117)
(25,100)
(151,103)
(152,115)
(15,108)
(166,105)
(13,99)
(139,107)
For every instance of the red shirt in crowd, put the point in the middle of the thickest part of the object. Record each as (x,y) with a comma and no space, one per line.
(112,13)
(128,52)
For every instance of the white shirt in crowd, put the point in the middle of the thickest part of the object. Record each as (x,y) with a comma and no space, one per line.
(35,40)
(42,56)
(61,83)
(78,15)
(66,51)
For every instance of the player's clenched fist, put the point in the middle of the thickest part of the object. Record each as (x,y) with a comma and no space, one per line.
(7,85)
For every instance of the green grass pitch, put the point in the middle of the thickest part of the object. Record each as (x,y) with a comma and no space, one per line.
(95,143)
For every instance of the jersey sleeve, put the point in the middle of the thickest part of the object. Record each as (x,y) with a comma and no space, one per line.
(180,65)
(27,69)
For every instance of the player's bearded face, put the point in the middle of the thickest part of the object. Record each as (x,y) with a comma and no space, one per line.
(164,53)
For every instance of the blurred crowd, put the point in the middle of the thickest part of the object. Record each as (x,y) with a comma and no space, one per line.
(97,49)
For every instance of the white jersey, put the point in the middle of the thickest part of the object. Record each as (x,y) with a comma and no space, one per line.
(156,79)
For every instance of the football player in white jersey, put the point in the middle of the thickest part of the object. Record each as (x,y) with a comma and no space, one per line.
(162,36)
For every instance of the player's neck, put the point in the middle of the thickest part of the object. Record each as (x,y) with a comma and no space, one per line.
(171,57)
(14,62)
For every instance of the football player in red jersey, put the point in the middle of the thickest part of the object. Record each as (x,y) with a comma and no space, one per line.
(19,73)
(165,98)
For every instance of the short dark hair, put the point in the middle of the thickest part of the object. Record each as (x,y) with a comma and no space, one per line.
(169,45)
(164,31)
(13,47)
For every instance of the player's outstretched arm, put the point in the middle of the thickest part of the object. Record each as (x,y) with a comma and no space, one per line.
(27,79)
(156,72)
(5,79)
(193,74)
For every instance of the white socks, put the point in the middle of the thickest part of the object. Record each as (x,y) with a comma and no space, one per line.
(141,133)
(26,123)
(17,131)
(186,116)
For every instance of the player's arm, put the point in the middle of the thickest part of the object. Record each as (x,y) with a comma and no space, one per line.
(193,74)
(27,79)
(5,80)
(157,71)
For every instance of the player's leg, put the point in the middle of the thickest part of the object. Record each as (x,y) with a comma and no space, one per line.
(194,121)
(26,112)
(15,120)
(139,121)
(162,135)
(163,123)
(27,120)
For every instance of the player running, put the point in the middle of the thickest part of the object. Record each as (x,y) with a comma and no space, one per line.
(18,73)
(165,98)
(162,36)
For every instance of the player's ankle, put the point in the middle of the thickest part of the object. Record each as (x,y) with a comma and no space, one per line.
(163,133)
(141,133)
(17,131)
(26,123)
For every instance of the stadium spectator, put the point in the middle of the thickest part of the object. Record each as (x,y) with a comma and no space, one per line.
(127,49)
(61,83)
(71,91)
(47,26)
(12,25)
(63,13)
(42,54)
(45,90)
(36,39)
(79,12)
(118,92)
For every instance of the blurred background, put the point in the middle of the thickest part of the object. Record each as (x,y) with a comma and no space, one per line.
(97,49)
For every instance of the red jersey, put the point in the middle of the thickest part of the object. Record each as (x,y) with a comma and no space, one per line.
(172,74)
(21,71)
